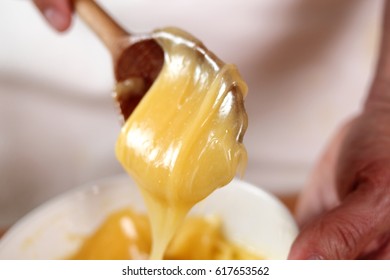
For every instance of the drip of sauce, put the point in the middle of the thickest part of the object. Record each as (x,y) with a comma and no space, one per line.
(184,139)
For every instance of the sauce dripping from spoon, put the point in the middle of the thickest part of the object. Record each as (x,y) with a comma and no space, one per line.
(184,118)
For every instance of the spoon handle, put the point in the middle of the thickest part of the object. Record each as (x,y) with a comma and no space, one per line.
(107,29)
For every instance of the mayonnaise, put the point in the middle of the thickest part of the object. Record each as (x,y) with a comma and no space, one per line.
(184,139)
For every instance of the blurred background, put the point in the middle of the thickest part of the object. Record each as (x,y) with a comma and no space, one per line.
(308,65)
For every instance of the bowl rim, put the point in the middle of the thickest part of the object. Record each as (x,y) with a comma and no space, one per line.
(119,179)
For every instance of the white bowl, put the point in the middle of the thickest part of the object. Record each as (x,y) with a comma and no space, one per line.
(54,230)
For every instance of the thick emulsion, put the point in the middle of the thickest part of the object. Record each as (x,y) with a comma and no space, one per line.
(125,234)
(184,139)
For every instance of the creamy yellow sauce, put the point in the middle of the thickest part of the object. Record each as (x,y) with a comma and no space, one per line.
(182,142)
(125,234)
(184,139)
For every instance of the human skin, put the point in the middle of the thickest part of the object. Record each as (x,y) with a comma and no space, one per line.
(58,13)
(344,209)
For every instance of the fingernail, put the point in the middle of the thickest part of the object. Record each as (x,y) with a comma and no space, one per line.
(55,18)
(315,257)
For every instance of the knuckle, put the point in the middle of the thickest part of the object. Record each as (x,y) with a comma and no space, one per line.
(375,174)
(346,236)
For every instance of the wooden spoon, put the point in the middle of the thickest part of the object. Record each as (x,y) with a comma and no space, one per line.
(137,59)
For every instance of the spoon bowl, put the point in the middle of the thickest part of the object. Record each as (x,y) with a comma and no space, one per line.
(137,59)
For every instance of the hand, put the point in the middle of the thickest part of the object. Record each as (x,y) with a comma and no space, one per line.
(345,208)
(57,12)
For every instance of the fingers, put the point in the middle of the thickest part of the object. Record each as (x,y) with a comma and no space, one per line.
(380,249)
(320,192)
(57,12)
(347,230)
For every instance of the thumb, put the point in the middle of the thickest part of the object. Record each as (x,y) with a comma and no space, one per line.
(344,232)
